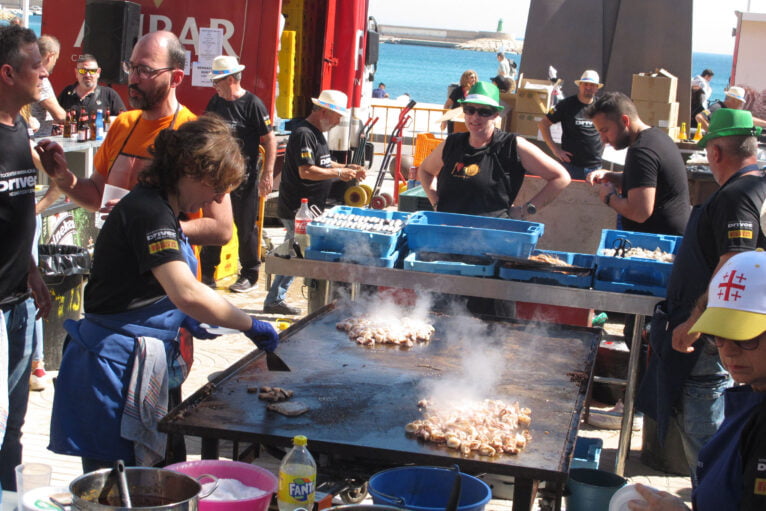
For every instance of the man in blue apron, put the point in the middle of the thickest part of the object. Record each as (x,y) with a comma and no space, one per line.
(685,379)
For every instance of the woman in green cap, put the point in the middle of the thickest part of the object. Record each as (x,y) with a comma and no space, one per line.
(481,171)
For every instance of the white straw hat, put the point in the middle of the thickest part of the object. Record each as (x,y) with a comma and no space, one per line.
(334,100)
(737,93)
(589,76)
(223,66)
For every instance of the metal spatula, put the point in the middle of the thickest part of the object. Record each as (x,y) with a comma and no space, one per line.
(275,363)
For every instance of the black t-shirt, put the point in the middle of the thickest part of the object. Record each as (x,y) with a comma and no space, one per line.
(480,181)
(18,177)
(306,146)
(579,136)
(248,118)
(100,99)
(654,161)
(139,234)
(455,95)
(729,221)
(752,449)
(712,107)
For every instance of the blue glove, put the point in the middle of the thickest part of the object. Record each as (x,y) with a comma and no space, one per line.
(263,335)
(194,326)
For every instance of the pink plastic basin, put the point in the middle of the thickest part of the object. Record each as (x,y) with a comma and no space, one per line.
(245,473)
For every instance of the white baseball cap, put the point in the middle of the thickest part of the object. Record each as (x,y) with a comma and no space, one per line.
(589,76)
(736,305)
(736,93)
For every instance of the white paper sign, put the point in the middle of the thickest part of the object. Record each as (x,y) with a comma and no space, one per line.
(210,44)
(199,75)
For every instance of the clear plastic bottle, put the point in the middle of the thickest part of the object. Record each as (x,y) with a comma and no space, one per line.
(297,478)
(302,219)
(99,125)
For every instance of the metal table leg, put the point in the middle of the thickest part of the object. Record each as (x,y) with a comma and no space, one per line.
(524,493)
(209,449)
(630,390)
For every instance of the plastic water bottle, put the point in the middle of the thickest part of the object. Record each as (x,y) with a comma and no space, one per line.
(302,219)
(99,125)
(297,478)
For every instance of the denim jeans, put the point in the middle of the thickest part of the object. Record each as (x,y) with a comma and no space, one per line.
(19,325)
(577,172)
(702,405)
(281,283)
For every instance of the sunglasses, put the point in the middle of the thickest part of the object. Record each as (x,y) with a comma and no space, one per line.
(749,345)
(84,71)
(483,112)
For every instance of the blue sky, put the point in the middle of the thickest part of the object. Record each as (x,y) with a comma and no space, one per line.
(713,19)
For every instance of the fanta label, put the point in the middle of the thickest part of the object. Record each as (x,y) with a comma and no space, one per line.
(296,489)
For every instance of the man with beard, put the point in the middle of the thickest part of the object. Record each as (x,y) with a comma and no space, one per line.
(652,193)
(87,93)
(308,173)
(581,148)
(155,70)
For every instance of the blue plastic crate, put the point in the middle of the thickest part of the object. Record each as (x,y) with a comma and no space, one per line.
(380,262)
(587,453)
(411,262)
(450,233)
(634,275)
(331,238)
(552,277)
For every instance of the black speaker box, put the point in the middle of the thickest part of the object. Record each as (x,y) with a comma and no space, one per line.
(371,53)
(111,30)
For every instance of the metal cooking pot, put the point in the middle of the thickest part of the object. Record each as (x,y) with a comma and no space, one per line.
(149,488)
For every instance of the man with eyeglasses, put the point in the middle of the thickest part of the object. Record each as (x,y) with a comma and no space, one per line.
(685,380)
(155,70)
(87,93)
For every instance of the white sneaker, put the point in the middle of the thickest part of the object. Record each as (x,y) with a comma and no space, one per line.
(38,379)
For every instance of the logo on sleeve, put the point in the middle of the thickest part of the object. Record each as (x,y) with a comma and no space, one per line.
(162,239)
(740,230)
(307,154)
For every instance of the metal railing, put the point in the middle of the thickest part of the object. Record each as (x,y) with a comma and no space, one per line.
(424,120)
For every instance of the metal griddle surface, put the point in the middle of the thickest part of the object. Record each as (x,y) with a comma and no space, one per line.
(360,398)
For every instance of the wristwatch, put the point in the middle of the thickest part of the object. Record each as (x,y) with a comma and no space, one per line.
(609,196)
(530,209)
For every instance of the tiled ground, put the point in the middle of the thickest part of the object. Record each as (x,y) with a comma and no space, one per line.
(214,356)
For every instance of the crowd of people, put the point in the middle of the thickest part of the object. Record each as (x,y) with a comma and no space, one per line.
(189,179)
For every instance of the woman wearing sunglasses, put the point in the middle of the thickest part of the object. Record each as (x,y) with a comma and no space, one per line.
(732,465)
(481,171)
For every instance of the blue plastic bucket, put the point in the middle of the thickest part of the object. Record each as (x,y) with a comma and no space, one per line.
(591,490)
(427,489)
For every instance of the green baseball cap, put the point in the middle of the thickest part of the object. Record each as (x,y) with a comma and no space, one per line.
(483,93)
(727,122)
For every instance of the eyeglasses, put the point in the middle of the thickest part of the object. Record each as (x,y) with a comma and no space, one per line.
(84,71)
(483,112)
(144,72)
(749,345)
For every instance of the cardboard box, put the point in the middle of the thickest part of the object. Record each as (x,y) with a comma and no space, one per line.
(659,86)
(525,124)
(534,96)
(673,132)
(655,113)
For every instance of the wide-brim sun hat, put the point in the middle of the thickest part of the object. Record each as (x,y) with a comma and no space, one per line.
(728,122)
(589,76)
(333,100)
(736,307)
(483,93)
(223,66)
(735,92)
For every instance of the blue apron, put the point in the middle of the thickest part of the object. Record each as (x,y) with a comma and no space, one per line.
(720,474)
(95,371)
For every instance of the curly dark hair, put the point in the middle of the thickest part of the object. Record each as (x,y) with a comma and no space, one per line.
(204,150)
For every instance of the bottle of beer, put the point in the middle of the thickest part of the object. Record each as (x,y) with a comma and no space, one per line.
(67,125)
(73,124)
(83,133)
(107,121)
(92,126)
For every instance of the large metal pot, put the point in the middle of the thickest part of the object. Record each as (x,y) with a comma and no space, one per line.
(149,488)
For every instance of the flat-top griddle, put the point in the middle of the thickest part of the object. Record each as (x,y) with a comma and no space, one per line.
(360,398)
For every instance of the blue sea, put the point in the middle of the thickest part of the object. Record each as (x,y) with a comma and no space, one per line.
(425,72)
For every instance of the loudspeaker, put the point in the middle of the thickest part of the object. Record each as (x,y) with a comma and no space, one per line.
(371,53)
(111,30)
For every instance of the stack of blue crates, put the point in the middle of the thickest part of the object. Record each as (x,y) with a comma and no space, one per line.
(633,274)
(587,453)
(543,276)
(346,244)
(470,235)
